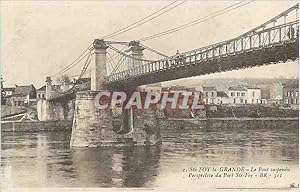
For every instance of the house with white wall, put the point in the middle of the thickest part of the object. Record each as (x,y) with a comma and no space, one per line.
(237,95)
(209,95)
(222,98)
(253,95)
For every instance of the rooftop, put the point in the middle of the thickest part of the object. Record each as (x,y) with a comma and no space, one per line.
(221,94)
(177,88)
(84,80)
(24,89)
(43,88)
(209,89)
(237,88)
(8,88)
(291,85)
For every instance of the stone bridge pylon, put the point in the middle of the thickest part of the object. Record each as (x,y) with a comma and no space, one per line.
(93,127)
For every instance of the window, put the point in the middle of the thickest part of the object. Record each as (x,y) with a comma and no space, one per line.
(292,93)
(232,94)
(212,94)
(252,100)
(242,100)
(296,101)
(206,101)
(253,94)
(287,93)
(243,94)
(286,101)
(238,94)
(296,93)
(206,94)
(233,100)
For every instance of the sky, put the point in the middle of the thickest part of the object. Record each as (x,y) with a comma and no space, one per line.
(39,38)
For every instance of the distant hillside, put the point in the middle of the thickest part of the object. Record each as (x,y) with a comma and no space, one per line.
(223,84)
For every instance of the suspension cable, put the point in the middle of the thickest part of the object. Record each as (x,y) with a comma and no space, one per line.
(143,20)
(150,49)
(75,62)
(88,61)
(126,55)
(117,66)
(111,59)
(197,21)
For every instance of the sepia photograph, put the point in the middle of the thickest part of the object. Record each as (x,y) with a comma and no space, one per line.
(183,95)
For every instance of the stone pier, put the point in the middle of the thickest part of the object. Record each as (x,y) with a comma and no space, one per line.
(94,127)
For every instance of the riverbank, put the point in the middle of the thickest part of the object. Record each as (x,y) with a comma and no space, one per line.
(7,111)
(215,124)
(35,126)
(208,124)
(250,111)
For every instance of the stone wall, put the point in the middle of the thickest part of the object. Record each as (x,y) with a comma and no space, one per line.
(36,126)
(52,111)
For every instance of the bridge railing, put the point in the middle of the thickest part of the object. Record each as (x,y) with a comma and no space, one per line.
(269,37)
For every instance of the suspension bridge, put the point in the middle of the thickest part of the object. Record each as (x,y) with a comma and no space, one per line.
(115,65)
(272,42)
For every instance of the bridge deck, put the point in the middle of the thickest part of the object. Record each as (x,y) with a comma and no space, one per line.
(256,48)
(280,52)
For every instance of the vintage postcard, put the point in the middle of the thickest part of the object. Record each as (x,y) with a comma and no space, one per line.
(149,95)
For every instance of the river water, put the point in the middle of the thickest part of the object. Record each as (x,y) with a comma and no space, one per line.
(46,160)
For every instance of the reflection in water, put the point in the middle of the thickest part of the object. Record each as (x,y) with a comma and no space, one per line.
(46,160)
(129,167)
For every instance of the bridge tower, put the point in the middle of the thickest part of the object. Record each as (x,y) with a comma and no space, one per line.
(98,67)
(136,52)
(93,127)
(144,122)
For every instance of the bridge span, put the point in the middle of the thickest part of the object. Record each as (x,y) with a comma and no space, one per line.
(267,47)
(271,42)
(274,41)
